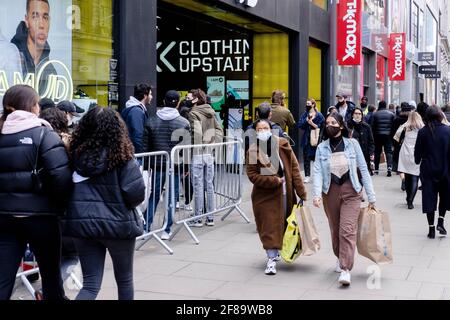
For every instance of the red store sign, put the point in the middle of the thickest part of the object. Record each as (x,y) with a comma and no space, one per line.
(349,32)
(397,57)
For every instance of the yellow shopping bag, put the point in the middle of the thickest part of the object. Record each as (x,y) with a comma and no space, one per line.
(292,245)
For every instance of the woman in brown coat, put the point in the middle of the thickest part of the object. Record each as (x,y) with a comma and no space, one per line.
(275,185)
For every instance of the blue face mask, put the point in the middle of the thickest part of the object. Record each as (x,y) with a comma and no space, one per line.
(264,135)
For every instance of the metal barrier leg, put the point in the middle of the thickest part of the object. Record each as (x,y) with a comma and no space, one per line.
(28,286)
(241,213)
(165,246)
(144,239)
(191,233)
(75,280)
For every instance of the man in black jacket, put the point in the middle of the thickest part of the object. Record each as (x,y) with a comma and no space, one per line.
(162,133)
(345,107)
(381,127)
(31,40)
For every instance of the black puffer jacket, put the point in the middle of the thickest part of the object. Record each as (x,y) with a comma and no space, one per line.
(17,158)
(382,121)
(102,207)
(363,134)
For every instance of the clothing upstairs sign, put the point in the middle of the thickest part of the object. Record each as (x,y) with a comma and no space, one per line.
(349,32)
(397,57)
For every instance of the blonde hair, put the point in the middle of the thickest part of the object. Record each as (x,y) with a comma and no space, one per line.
(414,121)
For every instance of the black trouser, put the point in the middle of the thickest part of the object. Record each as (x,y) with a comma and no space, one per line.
(307,162)
(44,236)
(411,184)
(383,141)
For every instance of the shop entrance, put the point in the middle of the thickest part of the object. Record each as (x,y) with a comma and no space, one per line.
(238,62)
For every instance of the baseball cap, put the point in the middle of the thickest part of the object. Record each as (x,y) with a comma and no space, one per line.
(70,107)
(340,94)
(46,103)
(172,96)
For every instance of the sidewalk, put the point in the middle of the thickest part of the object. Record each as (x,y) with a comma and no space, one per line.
(229,262)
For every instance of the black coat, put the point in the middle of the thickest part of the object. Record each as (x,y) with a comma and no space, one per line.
(363,134)
(17,159)
(432,152)
(102,207)
(382,121)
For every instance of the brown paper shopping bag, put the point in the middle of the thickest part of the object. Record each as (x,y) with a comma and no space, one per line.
(374,236)
(308,232)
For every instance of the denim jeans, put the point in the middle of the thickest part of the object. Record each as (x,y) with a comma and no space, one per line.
(158,180)
(92,254)
(203,178)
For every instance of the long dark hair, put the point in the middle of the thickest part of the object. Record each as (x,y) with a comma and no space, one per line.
(433,116)
(19,97)
(99,130)
(340,120)
(57,119)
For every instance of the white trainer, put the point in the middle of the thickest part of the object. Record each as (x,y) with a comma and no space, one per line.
(277,258)
(271,268)
(345,278)
(307,180)
(338,267)
(165,235)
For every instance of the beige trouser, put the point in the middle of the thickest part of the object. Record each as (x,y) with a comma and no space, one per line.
(342,207)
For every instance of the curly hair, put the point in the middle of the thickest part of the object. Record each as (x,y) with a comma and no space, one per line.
(57,119)
(99,130)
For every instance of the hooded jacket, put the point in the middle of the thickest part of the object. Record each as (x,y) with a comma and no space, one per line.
(205,127)
(19,143)
(159,130)
(135,116)
(28,65)
(103,201)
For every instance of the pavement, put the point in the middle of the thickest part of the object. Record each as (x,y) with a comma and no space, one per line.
(229,262)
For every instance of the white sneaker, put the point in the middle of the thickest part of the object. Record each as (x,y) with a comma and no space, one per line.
(209,222)
(307,180)
(277,258)
(165,235)
(338,267)
(188,207)
(345,278)
(196,223)
(177,206)
(271,267)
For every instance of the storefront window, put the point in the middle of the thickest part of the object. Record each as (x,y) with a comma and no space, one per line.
(321,3)
(344,80)
(61,48)
(381,78)
(315,75)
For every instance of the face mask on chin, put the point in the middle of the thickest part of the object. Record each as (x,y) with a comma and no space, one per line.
(356,120)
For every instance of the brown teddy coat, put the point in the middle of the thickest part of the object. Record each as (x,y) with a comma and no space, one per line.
(267,194)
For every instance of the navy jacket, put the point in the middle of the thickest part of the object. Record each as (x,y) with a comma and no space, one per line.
(432,152)
(135,118)
(103,207)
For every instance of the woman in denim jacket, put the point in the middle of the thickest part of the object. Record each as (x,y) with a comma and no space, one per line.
(340,173)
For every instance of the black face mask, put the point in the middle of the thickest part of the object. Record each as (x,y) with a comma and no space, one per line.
(188,103)
(333,131)
(308,107)
(363,105)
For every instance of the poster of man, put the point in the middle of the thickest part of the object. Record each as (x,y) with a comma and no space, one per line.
(37,37)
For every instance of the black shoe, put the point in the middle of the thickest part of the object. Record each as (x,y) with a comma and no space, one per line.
(420,188)
(431,233)
(440,227)
(410,205)
(403,187)
(376,172)
(389,173)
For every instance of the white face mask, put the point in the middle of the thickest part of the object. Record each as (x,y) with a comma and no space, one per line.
(264,135)
(357,120)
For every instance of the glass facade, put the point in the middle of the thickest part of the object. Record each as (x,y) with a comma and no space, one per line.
(61,48)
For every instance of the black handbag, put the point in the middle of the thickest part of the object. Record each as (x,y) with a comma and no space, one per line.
(38,185)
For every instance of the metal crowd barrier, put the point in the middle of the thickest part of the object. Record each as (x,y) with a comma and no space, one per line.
(155,170)
(22,275)
(209,181)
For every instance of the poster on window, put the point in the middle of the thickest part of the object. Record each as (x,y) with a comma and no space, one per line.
(216,91)
(239,89)
(36,47)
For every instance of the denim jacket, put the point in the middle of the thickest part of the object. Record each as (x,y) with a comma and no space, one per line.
(355,157)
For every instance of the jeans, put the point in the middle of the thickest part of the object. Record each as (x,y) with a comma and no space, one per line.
(383,141)
(203,173)
(44,236)
(92,254)
(158,180)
